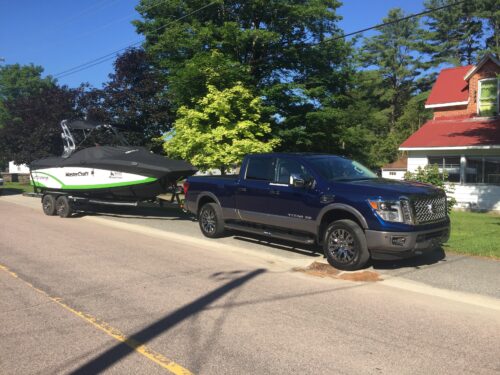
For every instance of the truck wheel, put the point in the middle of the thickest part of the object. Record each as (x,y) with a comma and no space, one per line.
(49,205)
(211,221)
(345,245)
(63,206)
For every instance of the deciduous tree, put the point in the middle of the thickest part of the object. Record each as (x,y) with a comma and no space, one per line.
(220,129)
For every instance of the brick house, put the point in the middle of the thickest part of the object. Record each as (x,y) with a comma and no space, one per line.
(463,138)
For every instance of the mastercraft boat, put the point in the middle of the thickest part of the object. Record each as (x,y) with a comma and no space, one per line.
(115,172)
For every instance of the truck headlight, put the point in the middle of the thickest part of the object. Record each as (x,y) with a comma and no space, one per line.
(388,210)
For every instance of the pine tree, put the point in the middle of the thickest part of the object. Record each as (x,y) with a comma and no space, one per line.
(454,34)
(392,52)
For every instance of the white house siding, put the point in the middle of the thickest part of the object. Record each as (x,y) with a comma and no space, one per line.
(468,196)
(14,168)
(478,197)
(393,174)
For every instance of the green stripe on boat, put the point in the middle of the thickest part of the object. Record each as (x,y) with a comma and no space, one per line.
(96,186)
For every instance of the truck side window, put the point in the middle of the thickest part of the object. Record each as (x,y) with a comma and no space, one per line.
(260,169)
(287,167)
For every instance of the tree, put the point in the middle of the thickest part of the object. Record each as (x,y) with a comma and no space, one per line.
(281,49)
(454,34)
(489,10)
(221,128)
(388,84)
(32,129)
(133,97)
(18,81)
(393,52)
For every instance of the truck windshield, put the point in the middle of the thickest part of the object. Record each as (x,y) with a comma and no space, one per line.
(334,168)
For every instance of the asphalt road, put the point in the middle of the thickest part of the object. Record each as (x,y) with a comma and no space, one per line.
(89,295)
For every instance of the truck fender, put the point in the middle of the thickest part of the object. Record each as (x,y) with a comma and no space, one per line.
(206,194)
(343,207)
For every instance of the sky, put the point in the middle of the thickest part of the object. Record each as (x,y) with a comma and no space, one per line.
(62,34)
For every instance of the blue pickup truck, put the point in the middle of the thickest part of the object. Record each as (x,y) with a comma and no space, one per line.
(327,200)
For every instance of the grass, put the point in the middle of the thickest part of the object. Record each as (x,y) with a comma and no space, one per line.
(475,234)
(17,187)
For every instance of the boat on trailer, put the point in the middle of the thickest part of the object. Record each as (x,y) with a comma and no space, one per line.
(113,173)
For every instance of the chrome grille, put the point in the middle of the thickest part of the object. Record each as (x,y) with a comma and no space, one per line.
(429,209)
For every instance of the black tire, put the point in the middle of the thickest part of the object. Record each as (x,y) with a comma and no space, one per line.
(49,205)
(211,221)
(63,206)
(345,246)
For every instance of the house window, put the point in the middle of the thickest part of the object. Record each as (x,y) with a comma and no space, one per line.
(488,97)
(392,173)
(483,170)
(449,164)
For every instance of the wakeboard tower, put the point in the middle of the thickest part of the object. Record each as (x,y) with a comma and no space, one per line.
(107,173)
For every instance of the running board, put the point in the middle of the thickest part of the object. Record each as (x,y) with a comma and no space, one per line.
(273,233)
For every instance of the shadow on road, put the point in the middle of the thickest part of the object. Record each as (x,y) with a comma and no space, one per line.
(140,212)
(122,350)
(308,250)
(425,259)
(10,191)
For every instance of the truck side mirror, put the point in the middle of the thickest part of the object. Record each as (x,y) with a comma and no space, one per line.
(297,180)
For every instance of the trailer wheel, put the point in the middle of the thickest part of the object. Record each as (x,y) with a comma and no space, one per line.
(49,205)
(211,220)
(63,206)
(345,245)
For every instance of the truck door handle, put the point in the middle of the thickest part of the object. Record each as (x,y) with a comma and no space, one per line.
(242,189)
(274,192)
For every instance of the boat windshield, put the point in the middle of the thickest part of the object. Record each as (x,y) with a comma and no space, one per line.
(80,134)
(100,136)
(335,168)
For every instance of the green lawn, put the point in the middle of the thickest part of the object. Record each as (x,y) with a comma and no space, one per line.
(13,187)
(475,234)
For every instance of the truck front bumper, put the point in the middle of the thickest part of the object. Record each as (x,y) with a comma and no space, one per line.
(398,245)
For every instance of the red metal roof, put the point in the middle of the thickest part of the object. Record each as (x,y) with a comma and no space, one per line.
(450,86)
(456,133)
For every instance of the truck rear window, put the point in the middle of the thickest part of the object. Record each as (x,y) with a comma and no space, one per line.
(260,169)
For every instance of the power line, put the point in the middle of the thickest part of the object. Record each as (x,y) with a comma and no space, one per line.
(392,22)
(111,55)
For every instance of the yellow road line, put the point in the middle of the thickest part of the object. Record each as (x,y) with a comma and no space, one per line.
(109,330)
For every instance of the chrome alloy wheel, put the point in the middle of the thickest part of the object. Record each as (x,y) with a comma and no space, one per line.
(208,220)
(341,246)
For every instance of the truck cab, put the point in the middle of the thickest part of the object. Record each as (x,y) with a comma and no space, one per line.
(328,200)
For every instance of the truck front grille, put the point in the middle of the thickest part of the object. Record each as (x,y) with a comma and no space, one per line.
(429,209)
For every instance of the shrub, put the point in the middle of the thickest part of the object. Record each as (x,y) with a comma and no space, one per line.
(430,175)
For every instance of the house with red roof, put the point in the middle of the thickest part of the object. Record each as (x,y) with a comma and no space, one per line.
(463,138)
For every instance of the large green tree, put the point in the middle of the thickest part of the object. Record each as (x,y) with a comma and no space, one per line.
(219,129)
(282,49)
(389,82)
(32,130)
(19,81)
(489,12)
(392,51)
(454,35)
